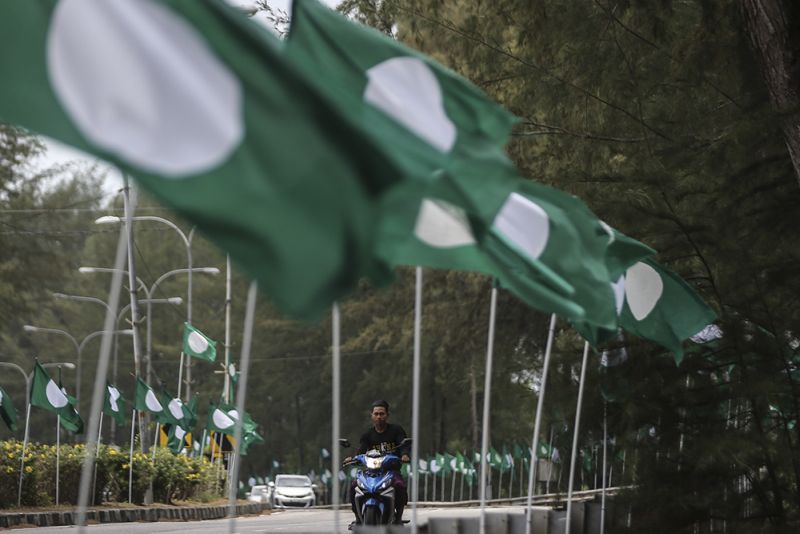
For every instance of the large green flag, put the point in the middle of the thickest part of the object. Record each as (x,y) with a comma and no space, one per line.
(45,393)
(146,399)
(174,412)
(202,107)
(220,420)
(176,439)
(659,306)
(73,421)
(114,404)
(7,411)
(197,344)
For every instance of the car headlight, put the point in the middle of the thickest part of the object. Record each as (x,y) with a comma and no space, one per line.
(374,463)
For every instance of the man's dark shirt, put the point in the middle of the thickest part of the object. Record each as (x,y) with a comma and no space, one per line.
(383,441)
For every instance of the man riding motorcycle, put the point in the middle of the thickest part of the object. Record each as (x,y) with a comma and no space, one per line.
(384,436)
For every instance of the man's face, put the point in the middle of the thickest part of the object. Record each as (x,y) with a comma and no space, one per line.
(379,417)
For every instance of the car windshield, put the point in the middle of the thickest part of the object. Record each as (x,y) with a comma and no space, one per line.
(293,482)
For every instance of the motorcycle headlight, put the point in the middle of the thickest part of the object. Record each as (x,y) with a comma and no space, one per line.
(386,484)
(360,484)
(374,463)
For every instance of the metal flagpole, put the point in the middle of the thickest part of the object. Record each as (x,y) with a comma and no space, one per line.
(537,424)
(510,481)
(24,447)
(101,372)
(575,434)
(241,393)
(335,387)
(487,395)
(228,300)
(605,464)
(96,451)
(433,487)
(499,481)
(415,379)
(442,492)
(550,464)
(130,460)
(58,454)
(155,440)
(453,487)
(461,490)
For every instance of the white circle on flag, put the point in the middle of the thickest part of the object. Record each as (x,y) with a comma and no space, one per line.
(55,396)
(1,397)
(525,224)
(442,225)
(179,432)
(197,343)
(234,414)
(407,90)
(151,402)
(643,289)
(141,83)
(175,409)
(113,397)
(221,419)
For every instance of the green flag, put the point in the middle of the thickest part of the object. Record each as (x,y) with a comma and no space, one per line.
(205,110)
(174,412)
(176,439)
(114,404)
(250,437)
(146,399)
(494,459)
(197,344)
(659,306)
(220,420)
(190,413)
(7,411)
(45,393)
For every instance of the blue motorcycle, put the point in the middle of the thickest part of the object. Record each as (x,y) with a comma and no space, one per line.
(374,494)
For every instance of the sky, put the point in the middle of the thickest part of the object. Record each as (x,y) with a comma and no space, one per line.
(58,153)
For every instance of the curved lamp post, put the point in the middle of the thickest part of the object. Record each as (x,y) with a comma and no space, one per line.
(187,241)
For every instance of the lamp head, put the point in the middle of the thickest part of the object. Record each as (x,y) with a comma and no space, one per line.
(175,300)
(210,270)
(108,219)
(85,270)
(29,328)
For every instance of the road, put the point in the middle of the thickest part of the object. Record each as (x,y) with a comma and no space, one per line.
(293,521)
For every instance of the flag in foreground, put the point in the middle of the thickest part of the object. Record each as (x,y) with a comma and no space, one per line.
(197,344)
(46,394)
(146,399)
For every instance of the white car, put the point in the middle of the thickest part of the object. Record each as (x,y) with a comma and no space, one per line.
(260,493)
(294,491)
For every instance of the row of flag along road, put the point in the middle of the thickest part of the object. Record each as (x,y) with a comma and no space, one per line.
(325,159)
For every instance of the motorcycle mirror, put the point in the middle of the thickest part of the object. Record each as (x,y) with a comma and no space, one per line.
(406,441)
(345,443)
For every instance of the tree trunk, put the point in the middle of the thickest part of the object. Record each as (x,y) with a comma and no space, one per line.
(773,28)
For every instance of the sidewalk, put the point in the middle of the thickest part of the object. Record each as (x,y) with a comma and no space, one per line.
(124,515)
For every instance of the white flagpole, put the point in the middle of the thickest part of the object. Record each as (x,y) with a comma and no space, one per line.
(336,372)
(487,396)
(24,447)
(415,379)
(433,487)
(180,375)
(461,490)
(58,454)
(605,464)
(96,451)
(130,460)
(241,393)
(550,465)
(499,481)
(155,440)
(453,487)
(99,383)
(444,475)
(510,480)
(537,425)
(575,434)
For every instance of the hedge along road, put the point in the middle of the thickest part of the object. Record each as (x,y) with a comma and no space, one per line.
(313,521)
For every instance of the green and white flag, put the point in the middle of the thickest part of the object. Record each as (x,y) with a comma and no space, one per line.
(205,110)
(494,459)
(659,306)
(176,439)
(46,394)
(220,420)
(174,412)
(197,344)
(114,404)
(146,399)
(7,411)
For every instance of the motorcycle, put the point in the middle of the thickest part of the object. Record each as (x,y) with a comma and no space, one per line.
(374,495)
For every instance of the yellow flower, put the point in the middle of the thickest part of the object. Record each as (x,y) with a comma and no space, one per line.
(125,466)
(9,469)
(28,469)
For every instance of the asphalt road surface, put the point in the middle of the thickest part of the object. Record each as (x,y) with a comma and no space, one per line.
(295,521)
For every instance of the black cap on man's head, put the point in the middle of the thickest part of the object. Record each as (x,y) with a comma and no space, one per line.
(380,404)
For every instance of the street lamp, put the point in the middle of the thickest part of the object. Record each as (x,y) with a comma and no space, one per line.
(187,241)
(149,293)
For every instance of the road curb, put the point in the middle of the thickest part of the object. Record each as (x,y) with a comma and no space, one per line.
(127,515)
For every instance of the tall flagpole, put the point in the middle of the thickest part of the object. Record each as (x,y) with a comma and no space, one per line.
(336,378)
(24,447)
(605,464)
(416,373)
(58,454)
(575,433)
(96,451)
(538,423)
(487,395)
(130,459)
(241,393)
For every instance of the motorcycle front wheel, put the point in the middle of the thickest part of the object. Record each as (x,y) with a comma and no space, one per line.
(372,516)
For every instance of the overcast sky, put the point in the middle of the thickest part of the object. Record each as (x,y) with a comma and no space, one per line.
(60,153)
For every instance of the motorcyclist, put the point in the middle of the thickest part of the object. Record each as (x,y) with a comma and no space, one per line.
(384,436)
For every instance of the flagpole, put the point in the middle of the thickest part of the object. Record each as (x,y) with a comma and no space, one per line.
(605,460)
(487,396)
(101,375)
(575,433)
(510,480)
(550,470)
(453,487)
(96,451)
(415,379)
(538,423)
(228,301)
(336,377)
(24,446)
(155,440)
(58,454)
(241,394)
(130,459)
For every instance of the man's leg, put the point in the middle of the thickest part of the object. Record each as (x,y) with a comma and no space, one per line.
(400,496)
(353,501)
